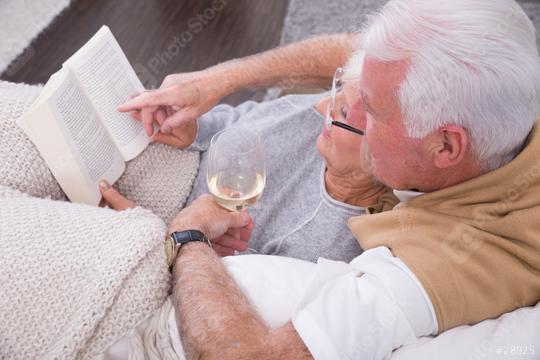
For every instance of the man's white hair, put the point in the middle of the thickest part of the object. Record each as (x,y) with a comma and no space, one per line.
(472,63)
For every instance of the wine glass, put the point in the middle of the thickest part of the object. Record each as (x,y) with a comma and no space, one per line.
(236,169)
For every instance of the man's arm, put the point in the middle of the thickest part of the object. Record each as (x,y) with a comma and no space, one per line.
(217,321)
(308,62)
(185,97)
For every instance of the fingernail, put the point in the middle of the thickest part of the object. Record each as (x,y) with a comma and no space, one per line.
(104,185)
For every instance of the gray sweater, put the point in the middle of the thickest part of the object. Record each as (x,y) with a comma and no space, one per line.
(295,216)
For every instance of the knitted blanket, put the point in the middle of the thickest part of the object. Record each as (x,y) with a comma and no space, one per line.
(74,278)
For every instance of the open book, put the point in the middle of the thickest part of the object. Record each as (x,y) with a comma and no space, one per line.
(74,122)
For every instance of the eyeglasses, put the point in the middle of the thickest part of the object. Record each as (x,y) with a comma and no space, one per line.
(337,85)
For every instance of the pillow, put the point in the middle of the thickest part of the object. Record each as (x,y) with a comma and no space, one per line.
(75,278)
(515,335)
(160,179)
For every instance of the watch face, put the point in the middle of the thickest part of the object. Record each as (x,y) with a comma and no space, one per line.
(170,247)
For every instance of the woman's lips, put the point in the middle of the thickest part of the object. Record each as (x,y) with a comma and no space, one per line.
(326,133)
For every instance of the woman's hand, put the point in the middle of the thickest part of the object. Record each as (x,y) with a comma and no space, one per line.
(180,100)
(113,198)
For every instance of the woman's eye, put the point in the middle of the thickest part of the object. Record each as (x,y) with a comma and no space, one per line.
(344,111)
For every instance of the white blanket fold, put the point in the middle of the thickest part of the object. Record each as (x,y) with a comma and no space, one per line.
(74,278)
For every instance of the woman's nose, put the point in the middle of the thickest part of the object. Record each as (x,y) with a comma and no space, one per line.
(322,105)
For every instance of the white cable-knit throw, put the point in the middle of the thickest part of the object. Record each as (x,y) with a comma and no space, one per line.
(75,278)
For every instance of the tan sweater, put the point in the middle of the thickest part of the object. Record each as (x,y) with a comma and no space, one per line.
(474,246)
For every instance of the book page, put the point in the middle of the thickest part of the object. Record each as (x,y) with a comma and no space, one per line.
(109,81)
(66,130)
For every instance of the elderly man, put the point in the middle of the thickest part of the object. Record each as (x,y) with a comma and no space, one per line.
(451,93)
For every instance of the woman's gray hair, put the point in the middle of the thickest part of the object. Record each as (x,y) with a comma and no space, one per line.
(473,63)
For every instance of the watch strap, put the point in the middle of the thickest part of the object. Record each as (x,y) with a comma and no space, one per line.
(183,237)
(177,239)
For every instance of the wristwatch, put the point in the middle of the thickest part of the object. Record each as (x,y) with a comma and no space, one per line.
(174,242)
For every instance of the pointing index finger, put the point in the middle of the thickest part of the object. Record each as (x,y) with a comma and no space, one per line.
(149,98)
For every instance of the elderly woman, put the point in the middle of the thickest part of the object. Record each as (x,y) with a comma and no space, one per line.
(315,177)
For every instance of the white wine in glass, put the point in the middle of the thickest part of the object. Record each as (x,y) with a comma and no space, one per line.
(236,169)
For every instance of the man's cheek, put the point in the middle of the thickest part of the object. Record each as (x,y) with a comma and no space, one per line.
(365,158)
(371,141)
(371,132)
(357,117)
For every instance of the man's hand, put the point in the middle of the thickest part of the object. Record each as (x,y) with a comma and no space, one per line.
(227,230)
(180,100)
(183,98)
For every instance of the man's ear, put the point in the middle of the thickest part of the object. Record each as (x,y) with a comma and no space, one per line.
(450,146)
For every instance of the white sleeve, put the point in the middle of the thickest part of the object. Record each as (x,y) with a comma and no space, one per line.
(363,310)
